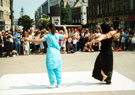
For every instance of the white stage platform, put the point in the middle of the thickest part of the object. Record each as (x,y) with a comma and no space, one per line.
(37,83)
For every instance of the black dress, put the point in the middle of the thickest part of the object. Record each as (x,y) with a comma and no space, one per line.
(7,45)
(104,61)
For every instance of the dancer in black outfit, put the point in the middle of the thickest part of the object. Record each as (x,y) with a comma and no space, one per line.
(104,63)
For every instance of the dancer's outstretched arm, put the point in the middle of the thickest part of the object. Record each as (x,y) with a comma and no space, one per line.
(103,37)
(40,40)
(34,40)
(65,30)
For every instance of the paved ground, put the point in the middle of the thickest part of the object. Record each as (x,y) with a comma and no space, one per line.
(124,63)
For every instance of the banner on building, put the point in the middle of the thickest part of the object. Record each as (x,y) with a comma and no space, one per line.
(56,20)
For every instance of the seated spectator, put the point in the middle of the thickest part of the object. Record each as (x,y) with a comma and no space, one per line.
(117,49)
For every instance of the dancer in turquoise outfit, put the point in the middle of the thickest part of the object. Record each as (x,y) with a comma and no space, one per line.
(53,58)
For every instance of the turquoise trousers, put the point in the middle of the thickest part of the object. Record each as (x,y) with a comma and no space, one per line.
(54,76)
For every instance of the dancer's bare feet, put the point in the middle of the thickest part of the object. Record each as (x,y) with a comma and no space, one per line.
(104,78)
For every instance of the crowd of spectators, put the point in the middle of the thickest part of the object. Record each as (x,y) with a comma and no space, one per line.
(12,43)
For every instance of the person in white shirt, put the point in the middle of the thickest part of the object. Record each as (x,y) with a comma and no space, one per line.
(74,43)
(26,45)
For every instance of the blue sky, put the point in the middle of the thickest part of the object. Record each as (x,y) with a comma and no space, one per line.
(29,7)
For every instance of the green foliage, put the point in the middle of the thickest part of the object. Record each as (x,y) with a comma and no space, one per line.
(25,21)
(66,16)
(45,22)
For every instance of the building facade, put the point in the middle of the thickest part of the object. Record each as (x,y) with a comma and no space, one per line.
(5,15)
(118,12)
(43,11)
(79,12)
(52,9)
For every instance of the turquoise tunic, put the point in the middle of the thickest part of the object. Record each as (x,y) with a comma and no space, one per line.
(53,58)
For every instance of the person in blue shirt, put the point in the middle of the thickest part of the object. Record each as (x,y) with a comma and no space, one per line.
(17,41)
(125,40)
(53,58)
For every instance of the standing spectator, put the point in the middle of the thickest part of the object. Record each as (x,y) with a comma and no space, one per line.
(87,35)
(1,44)
(26,45)
(8,44)
(121,35)
(17,41)
(41,44)
(11,40)
(69,41)
(124,40)
(62,43)
(31,44)
(126,35)
(82,40)
(116,38)
(133,43)
(45,43)
(37,45)
(131,34)
(74,43)
(97,35)
(77,36)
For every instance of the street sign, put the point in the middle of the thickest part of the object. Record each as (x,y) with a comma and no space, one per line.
(56,20)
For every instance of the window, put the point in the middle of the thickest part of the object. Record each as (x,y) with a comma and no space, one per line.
(73,21)
(117,4)
(79,21)
(121,5)
(1,14)
(101,9)
(110,7)
(1,3)
(131,4)
(98,9)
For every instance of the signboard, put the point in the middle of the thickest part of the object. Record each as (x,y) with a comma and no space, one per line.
(56,20)
(131,17)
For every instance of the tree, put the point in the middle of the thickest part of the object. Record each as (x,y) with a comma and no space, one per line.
(26,22)
(45,22)
(66,16)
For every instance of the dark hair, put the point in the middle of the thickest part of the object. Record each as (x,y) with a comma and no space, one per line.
(52,28)
(105,28)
